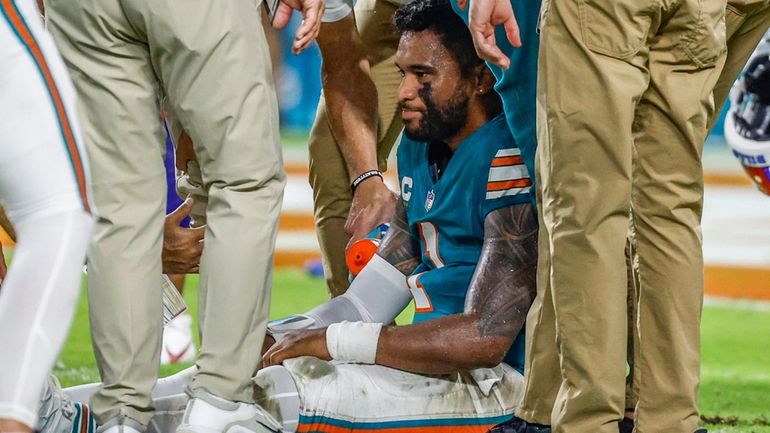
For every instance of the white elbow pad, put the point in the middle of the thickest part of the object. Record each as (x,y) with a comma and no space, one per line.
(377,295)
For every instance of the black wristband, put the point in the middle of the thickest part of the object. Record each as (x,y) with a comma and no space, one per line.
(362,177)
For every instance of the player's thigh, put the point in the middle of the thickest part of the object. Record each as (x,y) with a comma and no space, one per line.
(42,167)
(214,62)
(360,395)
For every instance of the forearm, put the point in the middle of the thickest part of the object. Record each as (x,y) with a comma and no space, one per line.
(350,93)
(440,346)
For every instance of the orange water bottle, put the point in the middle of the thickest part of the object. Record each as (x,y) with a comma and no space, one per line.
(361,251)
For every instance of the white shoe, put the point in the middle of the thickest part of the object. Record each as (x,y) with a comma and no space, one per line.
(57,414)
(122,428)
(178,343)
(207,413)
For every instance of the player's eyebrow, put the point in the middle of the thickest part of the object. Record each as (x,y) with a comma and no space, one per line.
(418,67)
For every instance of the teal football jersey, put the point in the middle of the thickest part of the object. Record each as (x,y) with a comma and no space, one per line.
(517,85)
(486,172)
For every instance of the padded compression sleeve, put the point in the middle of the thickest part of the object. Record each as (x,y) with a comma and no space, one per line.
(378,294)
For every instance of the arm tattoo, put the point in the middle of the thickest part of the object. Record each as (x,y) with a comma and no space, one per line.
(504,284)
(399,247)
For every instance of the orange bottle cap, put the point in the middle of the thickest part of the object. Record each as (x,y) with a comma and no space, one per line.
(359,254)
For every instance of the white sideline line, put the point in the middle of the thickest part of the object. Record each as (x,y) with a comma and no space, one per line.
(743,304)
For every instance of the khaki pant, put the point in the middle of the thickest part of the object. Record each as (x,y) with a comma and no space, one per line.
(211,59)
(328,173)
(746,23)
(616,79)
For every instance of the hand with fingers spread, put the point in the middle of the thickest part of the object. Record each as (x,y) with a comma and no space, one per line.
(311,20)
(373,204)
(484,15)
(297,343)
(182,247)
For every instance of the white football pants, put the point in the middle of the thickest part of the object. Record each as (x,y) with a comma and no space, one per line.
(44,190)
(309,395)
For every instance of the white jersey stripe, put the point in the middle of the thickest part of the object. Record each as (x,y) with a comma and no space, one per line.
(507,192)
(511,151)
(509,172)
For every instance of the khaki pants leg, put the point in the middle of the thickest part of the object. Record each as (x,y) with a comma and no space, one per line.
(542,376)
(328,172)
(586,197)
(119,105)
(669,129)
(234,129)
(587,191)
(747,21)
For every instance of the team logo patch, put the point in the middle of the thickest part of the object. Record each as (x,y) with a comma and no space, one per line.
(508,175)
(429,197)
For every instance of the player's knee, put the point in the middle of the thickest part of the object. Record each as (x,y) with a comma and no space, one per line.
(276,392)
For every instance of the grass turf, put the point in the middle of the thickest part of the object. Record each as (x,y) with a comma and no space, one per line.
(735,388)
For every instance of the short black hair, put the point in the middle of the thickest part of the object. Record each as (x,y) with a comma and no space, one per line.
(438,17)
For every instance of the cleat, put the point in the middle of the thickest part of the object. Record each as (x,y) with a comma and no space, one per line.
(207,413)
(626,425)
(518,425)
(57,414)
(178,345)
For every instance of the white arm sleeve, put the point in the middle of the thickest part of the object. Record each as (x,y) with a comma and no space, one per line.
(377,295)
(337,10)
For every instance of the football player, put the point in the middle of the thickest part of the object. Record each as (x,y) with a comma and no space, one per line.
(45,189)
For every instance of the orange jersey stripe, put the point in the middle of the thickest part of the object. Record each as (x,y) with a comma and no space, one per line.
(507,160)
(508,184)
(20,27)
(84,419)
(326,428)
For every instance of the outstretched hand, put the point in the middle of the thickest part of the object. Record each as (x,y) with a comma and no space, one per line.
(182,247)
(311,20)
(484,15)
(310,342)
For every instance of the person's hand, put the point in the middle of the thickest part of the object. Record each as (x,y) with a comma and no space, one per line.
(311,20)
(267,343)
(373,204)
(3,268)
(184,151)
(298,343)
(182,247)
(484,15)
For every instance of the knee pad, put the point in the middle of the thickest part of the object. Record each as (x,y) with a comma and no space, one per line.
(277,393)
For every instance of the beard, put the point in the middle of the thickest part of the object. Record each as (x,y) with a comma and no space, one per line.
(440,121)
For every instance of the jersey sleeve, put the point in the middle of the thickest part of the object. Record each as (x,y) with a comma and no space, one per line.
(337,10)
(404,155)
(508,182)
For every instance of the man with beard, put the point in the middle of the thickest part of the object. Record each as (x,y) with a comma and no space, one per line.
(462,245)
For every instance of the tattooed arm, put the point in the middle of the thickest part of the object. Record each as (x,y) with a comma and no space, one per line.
(500,294)
(399,247)
(401,250)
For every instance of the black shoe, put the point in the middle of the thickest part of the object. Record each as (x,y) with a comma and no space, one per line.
(626,426)
(518,425)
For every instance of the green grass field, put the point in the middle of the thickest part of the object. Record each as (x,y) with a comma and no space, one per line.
(735,389)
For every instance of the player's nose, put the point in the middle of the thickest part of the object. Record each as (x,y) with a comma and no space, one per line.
(407,90)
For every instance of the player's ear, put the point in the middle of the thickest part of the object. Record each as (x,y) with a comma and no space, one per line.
(484,79)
